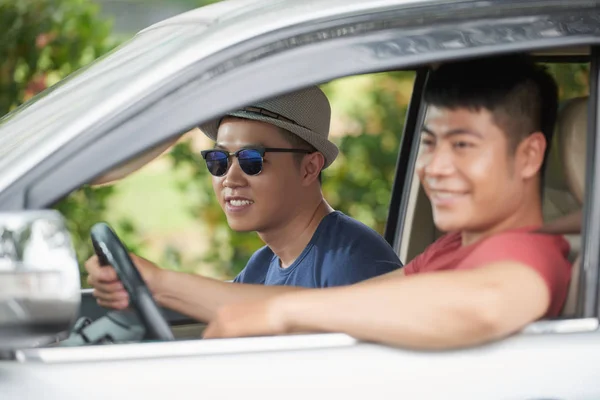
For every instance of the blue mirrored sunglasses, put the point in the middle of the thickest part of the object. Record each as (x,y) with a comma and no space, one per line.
(250,160)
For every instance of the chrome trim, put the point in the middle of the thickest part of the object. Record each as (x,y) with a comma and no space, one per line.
(563,326)
(184,348)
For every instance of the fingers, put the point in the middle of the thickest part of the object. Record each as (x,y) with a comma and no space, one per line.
(99,273)
(115,305)
(111,298)
(111,292)
(105,285)
(108,290)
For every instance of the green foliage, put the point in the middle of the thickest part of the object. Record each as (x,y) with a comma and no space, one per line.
(82,209)
(359,182)
(43,41)
(573,79)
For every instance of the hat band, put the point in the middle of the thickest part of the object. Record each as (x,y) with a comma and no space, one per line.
(271,114)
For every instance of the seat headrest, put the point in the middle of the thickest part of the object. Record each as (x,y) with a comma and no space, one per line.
(571,141)
(565,170)
(569,224)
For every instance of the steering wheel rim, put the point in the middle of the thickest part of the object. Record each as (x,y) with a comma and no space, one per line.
(111,251)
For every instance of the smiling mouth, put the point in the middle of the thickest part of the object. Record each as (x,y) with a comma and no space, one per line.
(444,196)
(239,202)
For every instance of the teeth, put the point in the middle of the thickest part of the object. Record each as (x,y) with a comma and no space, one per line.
(239,203)
(445,195)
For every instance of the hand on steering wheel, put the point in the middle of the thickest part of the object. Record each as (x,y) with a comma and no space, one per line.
(111,251)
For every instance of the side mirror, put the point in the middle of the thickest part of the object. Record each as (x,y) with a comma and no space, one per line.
(39,279)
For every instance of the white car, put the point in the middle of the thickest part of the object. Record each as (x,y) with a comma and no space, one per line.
(122,110)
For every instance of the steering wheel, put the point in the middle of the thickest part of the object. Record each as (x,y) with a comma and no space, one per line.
(111,251)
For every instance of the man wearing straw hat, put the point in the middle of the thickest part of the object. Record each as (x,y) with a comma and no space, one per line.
(266,166)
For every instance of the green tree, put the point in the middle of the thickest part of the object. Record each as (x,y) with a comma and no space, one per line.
(359,182)
(573,79)
(43,41)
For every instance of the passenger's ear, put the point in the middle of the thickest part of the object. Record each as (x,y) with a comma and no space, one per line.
(311,167)
(530,153)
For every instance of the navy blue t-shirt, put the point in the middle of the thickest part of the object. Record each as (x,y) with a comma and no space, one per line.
(342,251)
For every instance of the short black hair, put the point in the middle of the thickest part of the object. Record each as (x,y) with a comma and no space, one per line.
(298,143)
(521,95)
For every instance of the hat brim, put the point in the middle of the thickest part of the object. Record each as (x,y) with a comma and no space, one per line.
(324,146)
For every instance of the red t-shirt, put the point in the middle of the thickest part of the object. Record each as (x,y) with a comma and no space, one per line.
(546,254)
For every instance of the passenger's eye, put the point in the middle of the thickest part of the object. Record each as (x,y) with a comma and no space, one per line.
(461,145)
(427,142)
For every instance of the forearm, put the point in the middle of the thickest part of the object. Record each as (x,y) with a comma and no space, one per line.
(199,297)
(420,311)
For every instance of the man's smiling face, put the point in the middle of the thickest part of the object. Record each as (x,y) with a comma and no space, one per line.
(467,170)
(264,201)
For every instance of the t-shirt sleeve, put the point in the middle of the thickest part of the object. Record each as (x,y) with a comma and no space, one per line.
(545,254)
(347,252)
(240,277)
(414,265)
(443,244)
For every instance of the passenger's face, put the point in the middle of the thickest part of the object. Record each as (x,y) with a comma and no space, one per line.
(467,170)
(267,200)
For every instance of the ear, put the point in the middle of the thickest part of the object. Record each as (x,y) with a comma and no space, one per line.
(531,154)
(311,167)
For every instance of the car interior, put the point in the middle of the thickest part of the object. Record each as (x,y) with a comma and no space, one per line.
(563,200)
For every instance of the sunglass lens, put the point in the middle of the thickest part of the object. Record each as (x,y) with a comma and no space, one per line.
(250,161)
(216,161)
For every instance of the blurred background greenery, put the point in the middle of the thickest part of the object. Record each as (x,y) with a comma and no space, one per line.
(167,211)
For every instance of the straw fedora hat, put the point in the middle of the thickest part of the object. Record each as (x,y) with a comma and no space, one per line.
(305,113)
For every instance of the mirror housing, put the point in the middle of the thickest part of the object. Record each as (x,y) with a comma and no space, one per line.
(39,279)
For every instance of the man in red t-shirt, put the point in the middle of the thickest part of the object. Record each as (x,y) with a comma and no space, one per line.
(483,149)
